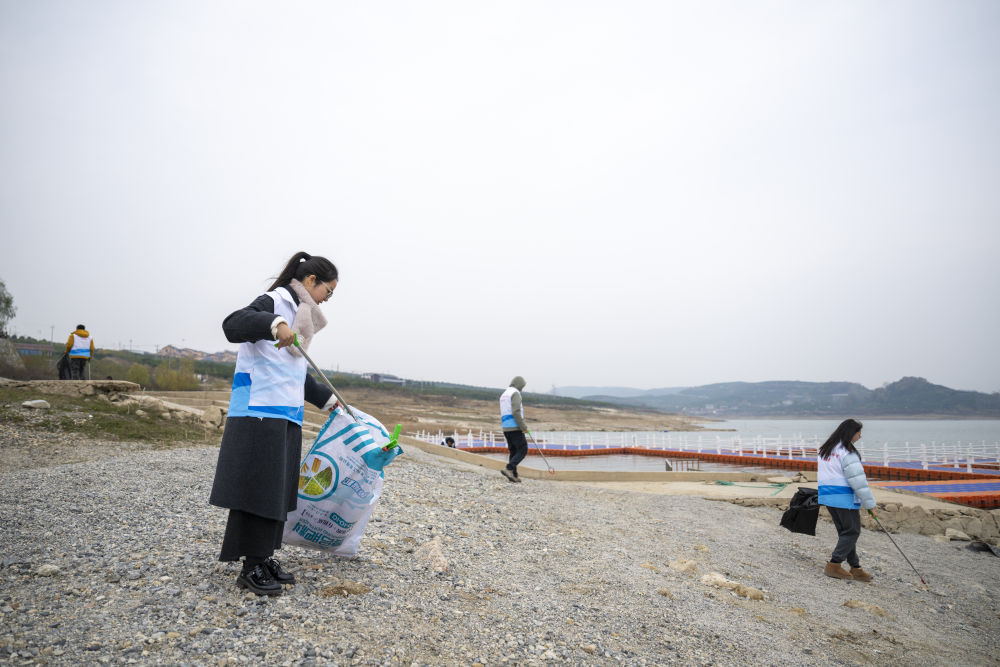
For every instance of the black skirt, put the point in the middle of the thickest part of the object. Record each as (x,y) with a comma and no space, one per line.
(258,467)
(250,535)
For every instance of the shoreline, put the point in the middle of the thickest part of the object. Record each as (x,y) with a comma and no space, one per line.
(699,483)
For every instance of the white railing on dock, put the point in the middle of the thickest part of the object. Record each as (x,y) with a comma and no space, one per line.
(958,455)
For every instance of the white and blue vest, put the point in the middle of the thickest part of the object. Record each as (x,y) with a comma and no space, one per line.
(81,347)
(270,382)
(834,490)
(506,411)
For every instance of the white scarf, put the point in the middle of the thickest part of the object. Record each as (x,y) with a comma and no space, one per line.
(309,319)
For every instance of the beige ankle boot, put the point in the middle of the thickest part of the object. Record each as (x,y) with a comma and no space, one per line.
(837,571)
(860,575)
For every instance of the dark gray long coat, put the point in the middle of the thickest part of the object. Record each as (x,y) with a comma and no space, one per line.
(258,466)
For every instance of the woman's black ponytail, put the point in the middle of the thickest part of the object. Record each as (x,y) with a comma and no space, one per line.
(303,264)
(843,435)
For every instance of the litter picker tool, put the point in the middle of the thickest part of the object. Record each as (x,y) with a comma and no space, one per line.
(896,545)
(551,469)
(326,381)
(393,439)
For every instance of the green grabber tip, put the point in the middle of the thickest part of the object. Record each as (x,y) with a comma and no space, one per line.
(394,439)
(295,340)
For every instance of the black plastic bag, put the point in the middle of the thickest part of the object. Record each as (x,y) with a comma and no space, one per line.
(802,512)
(63,367)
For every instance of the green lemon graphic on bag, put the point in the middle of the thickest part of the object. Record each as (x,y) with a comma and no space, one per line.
(318,477)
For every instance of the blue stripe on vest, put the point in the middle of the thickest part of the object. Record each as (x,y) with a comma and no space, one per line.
(837,496)
(241,380)
(508,420)
(239,399)
(289,412)
(80,352)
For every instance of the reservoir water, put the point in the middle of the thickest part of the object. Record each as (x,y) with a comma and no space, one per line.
(895,439)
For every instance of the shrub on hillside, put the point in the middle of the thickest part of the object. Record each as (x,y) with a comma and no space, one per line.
(103,367)
(32,367)
(40,367)
(181,378)
(139,374)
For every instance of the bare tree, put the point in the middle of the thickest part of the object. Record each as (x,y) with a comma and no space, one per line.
(7,309)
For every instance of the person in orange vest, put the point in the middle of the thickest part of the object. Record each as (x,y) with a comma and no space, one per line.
(80,348)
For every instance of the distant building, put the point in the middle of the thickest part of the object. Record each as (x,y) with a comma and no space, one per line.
(384,378)
(33,350)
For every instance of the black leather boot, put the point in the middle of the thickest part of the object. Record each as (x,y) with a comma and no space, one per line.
(279,575)
(259,580)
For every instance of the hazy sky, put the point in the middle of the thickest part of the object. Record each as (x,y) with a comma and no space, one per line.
(601,193)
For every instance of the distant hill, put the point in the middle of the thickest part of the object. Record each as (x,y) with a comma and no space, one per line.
(907,397)
(910,396)
(620,392)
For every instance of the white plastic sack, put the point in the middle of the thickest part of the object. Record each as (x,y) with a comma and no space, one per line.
(340,479)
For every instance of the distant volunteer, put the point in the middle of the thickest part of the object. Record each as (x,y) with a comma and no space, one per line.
(843,488)
(80,350)
(257,474)
(514,428)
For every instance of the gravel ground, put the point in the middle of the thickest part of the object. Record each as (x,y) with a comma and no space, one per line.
(112,559)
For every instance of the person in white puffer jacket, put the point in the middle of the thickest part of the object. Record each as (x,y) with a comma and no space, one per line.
(843,489)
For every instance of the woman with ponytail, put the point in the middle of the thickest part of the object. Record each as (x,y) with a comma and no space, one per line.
(843,488)
(256,477)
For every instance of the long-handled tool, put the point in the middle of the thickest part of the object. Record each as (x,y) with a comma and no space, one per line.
(551,469)
(326,380)
(896,545)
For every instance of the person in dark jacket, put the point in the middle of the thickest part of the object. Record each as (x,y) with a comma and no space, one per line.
(256,477)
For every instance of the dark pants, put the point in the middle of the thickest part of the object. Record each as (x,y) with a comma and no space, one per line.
(249,535)
(517,445)
(848,523)
(76,367)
